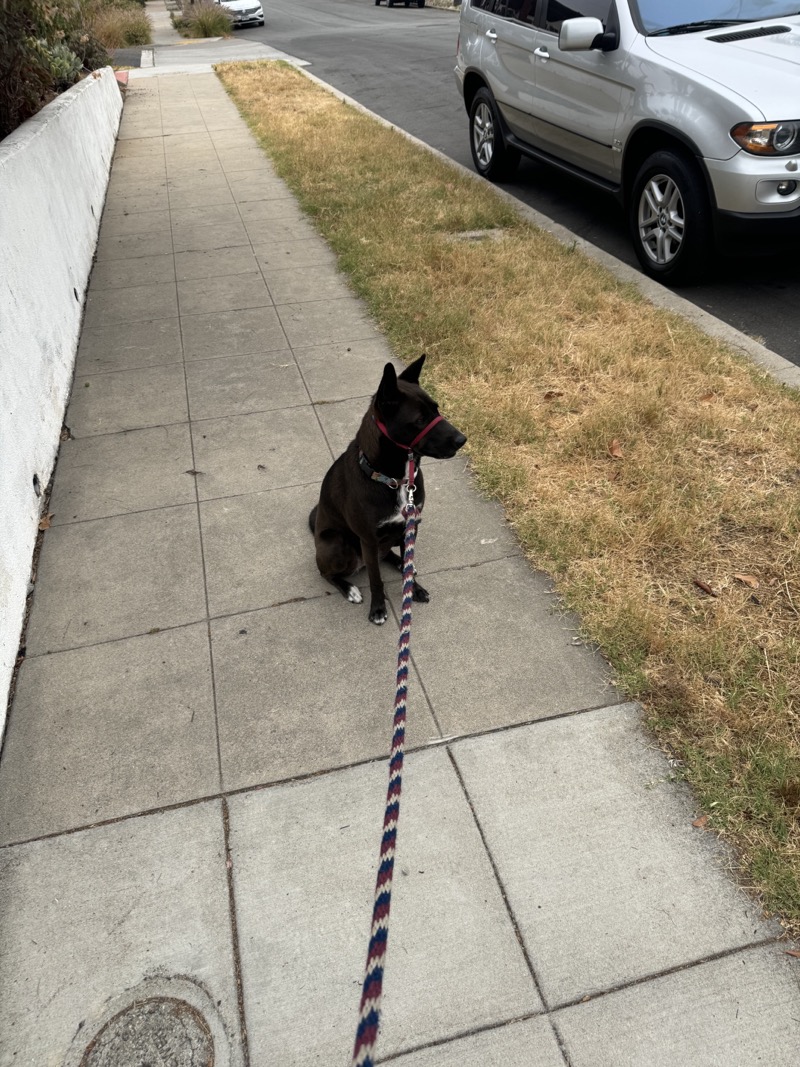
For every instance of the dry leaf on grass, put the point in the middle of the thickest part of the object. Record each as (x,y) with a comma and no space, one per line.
(615,449)
(704,586)
(747,579)
(701,822)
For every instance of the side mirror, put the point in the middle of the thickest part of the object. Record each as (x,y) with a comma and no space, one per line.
(579,35)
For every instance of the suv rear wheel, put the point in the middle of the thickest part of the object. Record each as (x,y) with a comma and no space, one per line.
(492,157)
(669,219)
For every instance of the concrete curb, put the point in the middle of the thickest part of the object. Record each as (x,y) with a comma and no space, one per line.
(54,174)
(182,59)
(783,370)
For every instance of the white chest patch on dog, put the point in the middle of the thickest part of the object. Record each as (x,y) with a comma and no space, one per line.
(397,514)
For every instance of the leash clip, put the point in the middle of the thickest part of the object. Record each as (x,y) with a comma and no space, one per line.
(411,479)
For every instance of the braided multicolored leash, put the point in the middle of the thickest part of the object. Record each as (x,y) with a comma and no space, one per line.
(369,1013)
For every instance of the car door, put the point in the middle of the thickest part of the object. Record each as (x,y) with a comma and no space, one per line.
(575,110)
(508,60)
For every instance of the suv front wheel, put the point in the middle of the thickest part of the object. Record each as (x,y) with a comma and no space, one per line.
(492,157)
(669,219)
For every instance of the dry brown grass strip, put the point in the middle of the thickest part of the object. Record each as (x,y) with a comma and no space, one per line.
(652,471)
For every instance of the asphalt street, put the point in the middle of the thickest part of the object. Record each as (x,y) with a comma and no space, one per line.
(399,63)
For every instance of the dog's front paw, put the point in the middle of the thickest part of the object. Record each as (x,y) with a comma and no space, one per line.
(354,595)
(422,596)
(378,615)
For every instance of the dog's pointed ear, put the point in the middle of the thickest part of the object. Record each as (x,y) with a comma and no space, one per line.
(413,370)
(388,393)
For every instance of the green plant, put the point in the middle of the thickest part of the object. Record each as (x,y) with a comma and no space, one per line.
(63,63)
(209,20)
(137,28)
(26,81)
(44,44)
(89,50)
(116,26)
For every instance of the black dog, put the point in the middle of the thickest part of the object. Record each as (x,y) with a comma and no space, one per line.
(359,518)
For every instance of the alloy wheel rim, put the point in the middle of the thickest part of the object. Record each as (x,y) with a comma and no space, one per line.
(662,219)
(483,134)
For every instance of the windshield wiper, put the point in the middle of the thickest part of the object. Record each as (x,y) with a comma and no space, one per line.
(703,24)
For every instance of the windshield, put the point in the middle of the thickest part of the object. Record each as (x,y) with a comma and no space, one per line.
(655,15)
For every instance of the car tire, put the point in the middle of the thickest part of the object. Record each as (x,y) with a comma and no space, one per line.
(420,3)
(669,217)
(492,157)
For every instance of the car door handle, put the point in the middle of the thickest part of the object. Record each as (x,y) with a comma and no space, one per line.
(542,53)
(492,35)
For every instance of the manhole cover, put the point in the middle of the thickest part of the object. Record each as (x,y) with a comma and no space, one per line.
(156,1032)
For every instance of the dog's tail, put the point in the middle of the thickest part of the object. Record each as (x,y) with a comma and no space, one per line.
(312,518)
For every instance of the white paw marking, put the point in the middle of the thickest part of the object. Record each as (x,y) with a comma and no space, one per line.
(354,595)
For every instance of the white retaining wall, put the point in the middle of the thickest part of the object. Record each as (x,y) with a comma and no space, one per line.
(53,177)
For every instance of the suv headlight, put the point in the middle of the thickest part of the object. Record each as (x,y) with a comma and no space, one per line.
(768,138)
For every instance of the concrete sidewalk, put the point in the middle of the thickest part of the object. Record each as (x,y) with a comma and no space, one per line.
(194,772)
(174,54)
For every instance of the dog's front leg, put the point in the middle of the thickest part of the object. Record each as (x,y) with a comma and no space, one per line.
(422,596)
(377,606)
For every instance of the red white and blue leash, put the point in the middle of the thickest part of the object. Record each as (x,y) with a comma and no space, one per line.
(369,1013)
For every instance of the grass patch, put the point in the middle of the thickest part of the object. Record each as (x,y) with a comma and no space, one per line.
(640,462)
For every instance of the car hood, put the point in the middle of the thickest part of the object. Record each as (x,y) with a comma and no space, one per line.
(241,5)
(764,70)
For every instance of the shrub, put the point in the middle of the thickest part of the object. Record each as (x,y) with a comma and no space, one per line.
(209,20)
(118,27)
(89,50)
(138,29)
(45,44)
(26,81)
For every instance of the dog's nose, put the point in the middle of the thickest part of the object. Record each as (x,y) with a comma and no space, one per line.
(460,440)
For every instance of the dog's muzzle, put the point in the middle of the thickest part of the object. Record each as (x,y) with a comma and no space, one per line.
(422,433)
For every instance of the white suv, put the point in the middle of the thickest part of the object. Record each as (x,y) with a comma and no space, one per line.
(687,110)
(244,12)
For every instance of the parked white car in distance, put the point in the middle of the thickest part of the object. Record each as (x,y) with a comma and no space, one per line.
(244,12)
